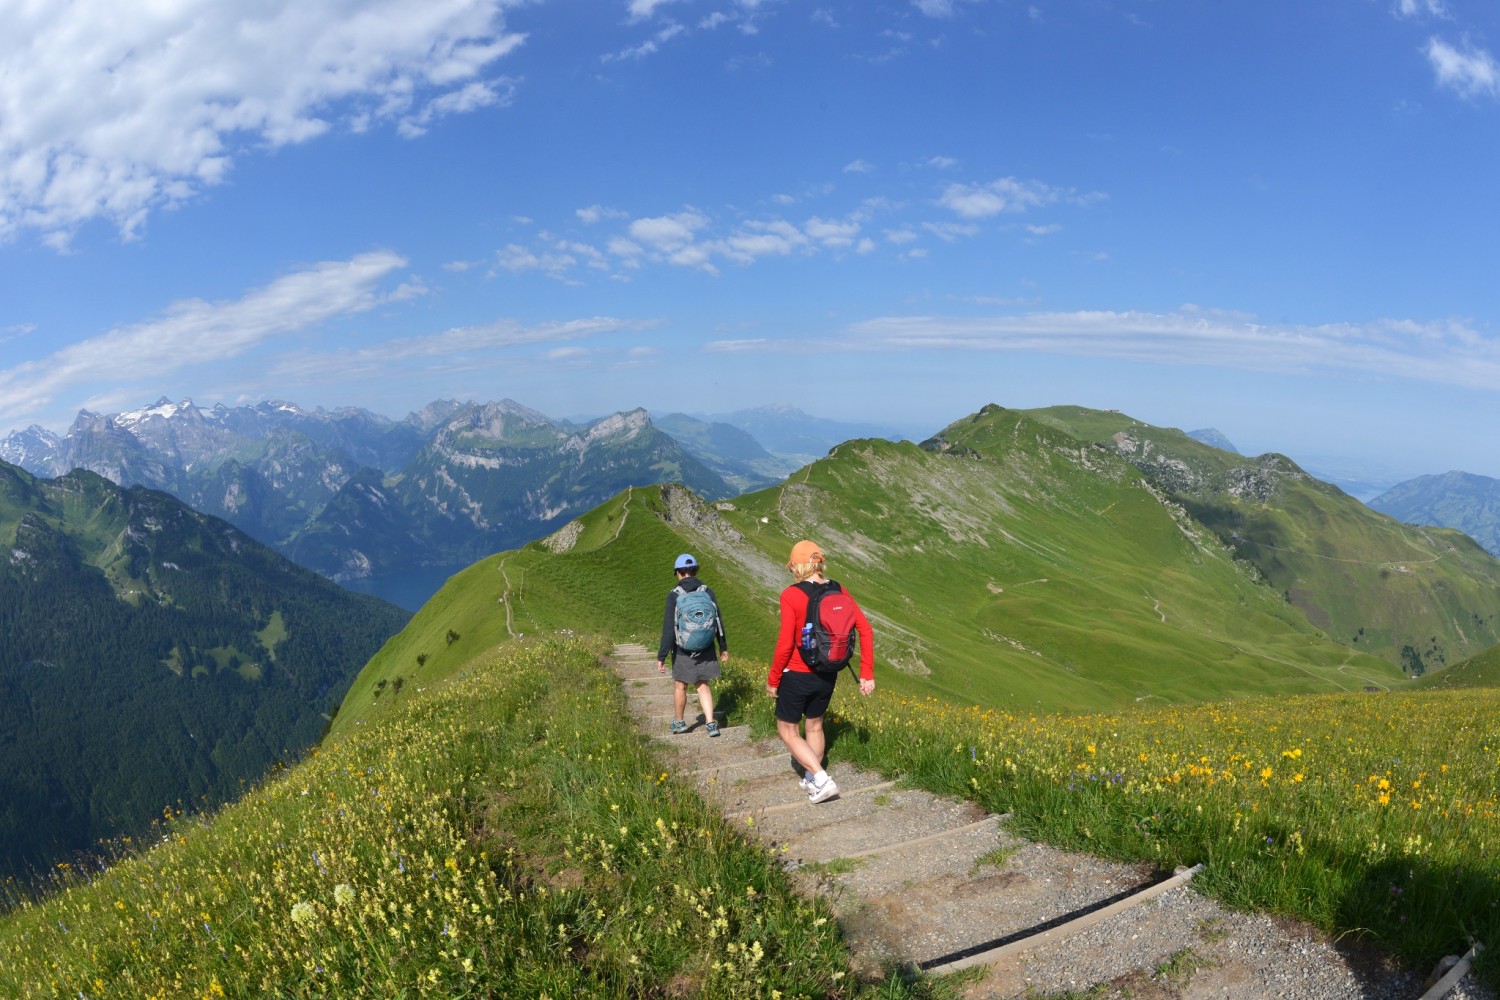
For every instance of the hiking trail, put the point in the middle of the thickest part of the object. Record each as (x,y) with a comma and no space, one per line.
(922,882)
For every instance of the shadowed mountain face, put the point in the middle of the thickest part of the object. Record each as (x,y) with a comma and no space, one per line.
(151,655)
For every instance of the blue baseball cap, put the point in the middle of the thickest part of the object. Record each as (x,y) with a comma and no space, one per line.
(685,561)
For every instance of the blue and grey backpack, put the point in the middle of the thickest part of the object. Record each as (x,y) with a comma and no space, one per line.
(697,620)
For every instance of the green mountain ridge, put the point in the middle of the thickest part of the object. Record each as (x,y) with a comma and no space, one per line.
(151,655)
(1420,597)
(1004,563)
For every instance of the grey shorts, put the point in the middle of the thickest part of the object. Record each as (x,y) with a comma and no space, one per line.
(690,670)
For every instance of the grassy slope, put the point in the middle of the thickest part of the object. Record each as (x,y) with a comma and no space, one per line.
(995,567)
(1006,572)
(1363,577)
(1480,671)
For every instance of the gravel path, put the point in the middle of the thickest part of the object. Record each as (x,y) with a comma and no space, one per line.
(917,880)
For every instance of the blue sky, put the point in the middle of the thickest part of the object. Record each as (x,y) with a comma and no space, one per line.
(1274,218)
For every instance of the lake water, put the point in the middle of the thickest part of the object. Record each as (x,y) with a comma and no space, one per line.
(409,589)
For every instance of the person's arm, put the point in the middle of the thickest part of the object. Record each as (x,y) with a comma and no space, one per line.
(866,648)
(668,631)
(719,633)
(786,640)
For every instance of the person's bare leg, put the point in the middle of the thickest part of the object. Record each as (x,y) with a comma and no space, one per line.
(679,697)
(706,700)
(803,753)
(817,742)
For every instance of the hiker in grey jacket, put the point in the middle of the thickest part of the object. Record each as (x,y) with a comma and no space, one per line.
(695,667)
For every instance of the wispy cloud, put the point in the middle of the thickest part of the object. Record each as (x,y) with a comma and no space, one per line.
(1420,8)
(476,348)
(1470,71)
(649,47)
(1446,352)
(113,115)
(1007,195)
(618,245)
(195,332)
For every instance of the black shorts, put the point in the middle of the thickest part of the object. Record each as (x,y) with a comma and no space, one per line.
(803,694)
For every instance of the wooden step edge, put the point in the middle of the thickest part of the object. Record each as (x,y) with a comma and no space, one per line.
(1444,986)
(870,852)
(960,960)
(738,763)
(783,807)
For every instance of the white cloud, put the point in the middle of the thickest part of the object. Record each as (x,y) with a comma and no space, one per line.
(470,97)
(980,201)
(474,347)
(739,346)
(518,258)
(934,8)
(1046,230)
(640,9)
(194,332)
(668,232)
(831,233)
(941,162)
(598,213)
(1471,72)
(948,232)
(1417,8)
(113,111)
(647,48)
(859,167)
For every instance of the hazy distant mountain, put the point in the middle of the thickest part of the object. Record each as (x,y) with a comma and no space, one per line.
(791,433)
(728,450)
(1458,500)
(1214,437)
(150,654)
(353,494)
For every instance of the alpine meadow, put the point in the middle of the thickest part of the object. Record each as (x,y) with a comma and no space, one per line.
(1061,637)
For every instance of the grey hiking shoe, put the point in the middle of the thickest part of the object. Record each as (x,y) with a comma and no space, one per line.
(712,727)
(677,726)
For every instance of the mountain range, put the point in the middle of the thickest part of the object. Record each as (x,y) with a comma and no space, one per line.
(352,494)
(1459,500)
(151,656)
(1060,559)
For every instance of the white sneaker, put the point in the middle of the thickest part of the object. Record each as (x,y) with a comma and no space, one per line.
(822,793)
(806,784)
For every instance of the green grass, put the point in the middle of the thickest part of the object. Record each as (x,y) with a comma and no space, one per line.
(1372,815)
(1403,592)
(504,832)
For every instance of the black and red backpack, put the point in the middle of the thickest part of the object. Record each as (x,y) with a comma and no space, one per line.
(829,637)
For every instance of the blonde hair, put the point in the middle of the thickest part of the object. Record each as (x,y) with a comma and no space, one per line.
(804,570)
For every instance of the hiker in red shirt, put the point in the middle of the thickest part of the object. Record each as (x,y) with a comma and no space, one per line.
(808,659)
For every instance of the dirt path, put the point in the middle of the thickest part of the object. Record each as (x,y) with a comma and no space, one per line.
(920,882)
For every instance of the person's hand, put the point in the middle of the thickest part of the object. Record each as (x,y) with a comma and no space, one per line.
(724,656)
(661,666)
(866,686)
(770,691)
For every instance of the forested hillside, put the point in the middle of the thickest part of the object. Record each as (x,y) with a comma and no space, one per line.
(150,657)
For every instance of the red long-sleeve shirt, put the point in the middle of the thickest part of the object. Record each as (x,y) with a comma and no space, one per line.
(793,617)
